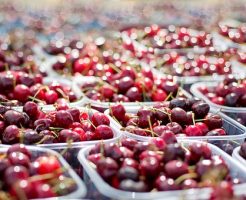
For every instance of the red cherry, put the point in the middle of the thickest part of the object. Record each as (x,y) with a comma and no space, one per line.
(21,93)
(48,165)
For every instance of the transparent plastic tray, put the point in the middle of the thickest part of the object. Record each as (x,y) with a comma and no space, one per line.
(70,151)
(80,191)
(99,189)
(236,132)
(238,157)
(80,80)
(233,112)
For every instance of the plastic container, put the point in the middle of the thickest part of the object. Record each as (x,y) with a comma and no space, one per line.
(80,191)
(70,151)
(238,157)
(102,106)
(233,112)
(236,131)
(99,189)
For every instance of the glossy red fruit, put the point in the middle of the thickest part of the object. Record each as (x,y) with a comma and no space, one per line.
(193,130)
(50,97)
(48,165)
(104,132)
(107,167)
(175,169)
(99,119)
(21,93)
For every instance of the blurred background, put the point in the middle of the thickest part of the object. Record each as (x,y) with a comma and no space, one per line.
(76,16)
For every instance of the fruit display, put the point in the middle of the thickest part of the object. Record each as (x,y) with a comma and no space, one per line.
(191,64)
(180,116)
(19,87)
(99,57)
(236,31)
(230,92)
(35,173)
(156,166)
(143,99)
(171,37)
(132,87)
(63,125)
(227,95)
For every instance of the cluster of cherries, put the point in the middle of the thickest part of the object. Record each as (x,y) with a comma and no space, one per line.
(230,92)
(191,64)
(180,117)
(171,37)
(236,34)
(16,88)
(34,126)
(101,57)
(26,175)
(132,86)
(159,165)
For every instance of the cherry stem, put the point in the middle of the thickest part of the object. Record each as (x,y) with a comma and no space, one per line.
(118,70)
(63,94)
(150,126)
(193,118)
(168,96)
(35,99)
(184,177)
(69,145)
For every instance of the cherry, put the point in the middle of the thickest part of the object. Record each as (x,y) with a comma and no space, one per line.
(11,135)
(165,184)
(107,168)
(174,127)
(203,166)
(159,95)
(99,119)
(203,127)
(193,130)
(178,102)
(145,117)
(159,143)
(31,136)
(21,93)
(4,164)
(200,109)
(63,119)
(134,94)
(133,186)
(169,137)
(178,115)
(129,143)
(19,148)
(75,113)
(128,173)
(213,121)
(231,99)
(13,117)
(216,132)
(104,132)
(174,151)
(170,86)
(23,186)
(50,97)
(42,124)
(118,111)
(94,158)
(242,150)
(15,173)
(129,162)
(175,169)
(48,165)
(113,151)
(66,135)
(43,190)
(125,83)
(18,158)
(31,109)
